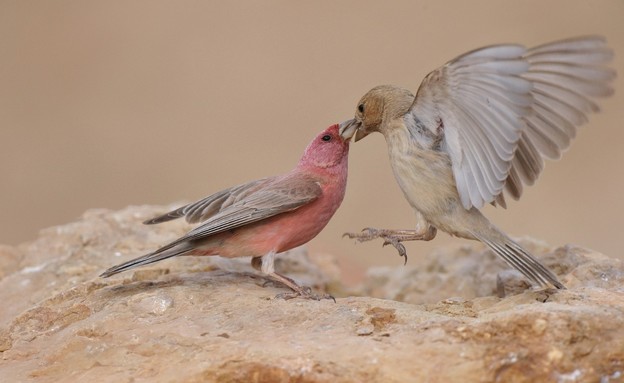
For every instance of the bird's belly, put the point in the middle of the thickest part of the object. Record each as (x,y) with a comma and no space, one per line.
(426,179)
(277,234)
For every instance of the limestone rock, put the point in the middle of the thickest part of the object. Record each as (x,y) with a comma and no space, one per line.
(207,319)
(472,271)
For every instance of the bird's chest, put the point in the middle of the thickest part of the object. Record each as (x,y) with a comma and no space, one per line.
(424,175)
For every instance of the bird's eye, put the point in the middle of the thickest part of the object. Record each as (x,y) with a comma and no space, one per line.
(326,137)
(361,108)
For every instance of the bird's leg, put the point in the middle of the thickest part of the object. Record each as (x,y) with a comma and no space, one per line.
(394,237)
(261,264)
(265,264)
(256,263)
(423,232)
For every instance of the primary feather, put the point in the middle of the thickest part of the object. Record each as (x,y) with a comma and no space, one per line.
(504,108)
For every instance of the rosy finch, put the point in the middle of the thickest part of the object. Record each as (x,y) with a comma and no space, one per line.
(264,217)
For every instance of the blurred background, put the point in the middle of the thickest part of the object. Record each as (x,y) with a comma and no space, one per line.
(105,104)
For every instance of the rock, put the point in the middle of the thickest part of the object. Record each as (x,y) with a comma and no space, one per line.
(10,258)
(472,271)
(208,319)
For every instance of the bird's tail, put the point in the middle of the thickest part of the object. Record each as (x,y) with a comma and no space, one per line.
(158,255)
(520,259)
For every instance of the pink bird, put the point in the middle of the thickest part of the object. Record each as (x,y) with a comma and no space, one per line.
(264,217)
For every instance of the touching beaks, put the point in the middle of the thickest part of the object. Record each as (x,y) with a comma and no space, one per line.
(351,128)
(347,129)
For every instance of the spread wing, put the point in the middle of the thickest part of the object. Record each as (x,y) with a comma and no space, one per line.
(503,108)
(250,203)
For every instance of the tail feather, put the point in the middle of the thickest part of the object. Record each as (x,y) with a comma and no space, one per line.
(524,262)
(158,255)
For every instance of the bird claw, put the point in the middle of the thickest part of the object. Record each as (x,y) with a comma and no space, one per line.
(270,282)
(366,234)
(369,233)
(389,240)
(305,293)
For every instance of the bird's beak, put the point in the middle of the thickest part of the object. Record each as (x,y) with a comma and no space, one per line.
(351,128)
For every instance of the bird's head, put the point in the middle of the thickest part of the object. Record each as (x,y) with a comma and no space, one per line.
(328,149)
(375,110)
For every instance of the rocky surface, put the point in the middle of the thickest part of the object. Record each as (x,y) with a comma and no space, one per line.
(457,316)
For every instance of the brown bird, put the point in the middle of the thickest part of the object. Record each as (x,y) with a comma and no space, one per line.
(480,125)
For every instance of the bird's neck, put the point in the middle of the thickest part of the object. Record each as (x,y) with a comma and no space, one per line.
(325,169)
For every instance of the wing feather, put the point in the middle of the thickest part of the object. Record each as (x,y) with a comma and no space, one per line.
(276,196)
(505,108)
(280,197)
(207,207)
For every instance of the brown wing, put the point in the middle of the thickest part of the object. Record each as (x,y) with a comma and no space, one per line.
(276,196)
(503,108)
(566,77)
(207,207)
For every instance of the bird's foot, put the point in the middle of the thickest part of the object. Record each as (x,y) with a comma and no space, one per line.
(396,242)
(271,282)
(305,293)
(390,237)
(297,291)
(394,237)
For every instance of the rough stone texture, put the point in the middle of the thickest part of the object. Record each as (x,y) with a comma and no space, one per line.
(472,271)
(207,319)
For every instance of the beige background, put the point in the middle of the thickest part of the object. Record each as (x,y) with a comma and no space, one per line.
(111,103)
